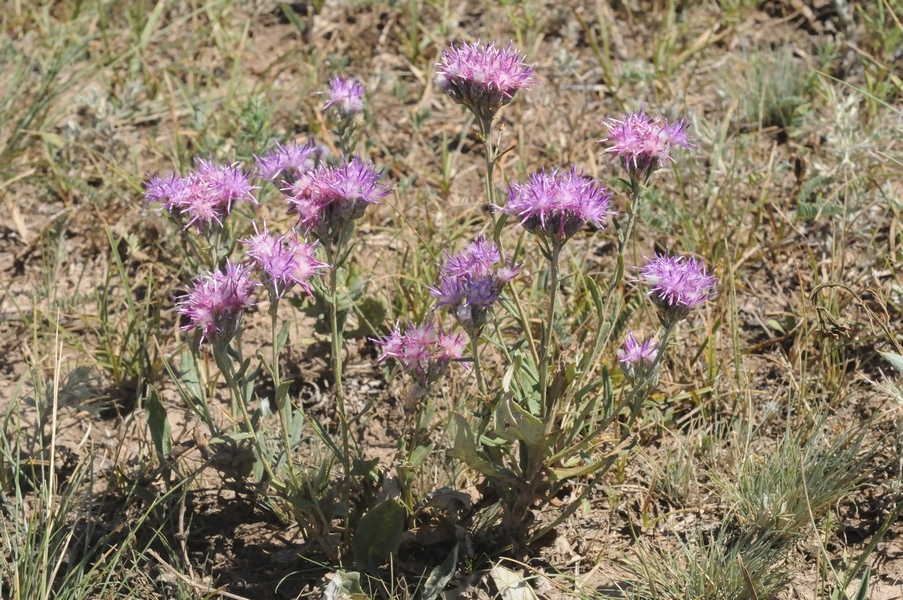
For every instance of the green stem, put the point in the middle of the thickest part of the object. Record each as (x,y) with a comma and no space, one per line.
(475,351)
(547,329)
(284,409)
(486,133)
(225,365)
(417,434)
(337,339)
(636,192)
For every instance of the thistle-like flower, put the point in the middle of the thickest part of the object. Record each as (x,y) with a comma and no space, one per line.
(216,302)
(483,77)
(205,195)
(559,203)
(346,94)
(286,163)
(678,284)
(642,143)
(471,281)
(636,359)
(424,351)
(328,199)
(284,260)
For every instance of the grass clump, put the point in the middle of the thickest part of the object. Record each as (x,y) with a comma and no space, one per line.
(774,89)
(772,502)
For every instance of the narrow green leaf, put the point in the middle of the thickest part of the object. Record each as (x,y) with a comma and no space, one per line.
(282,393)
(158,423)
(863,592)
(894,359)
(512,422)
(419,454)
(189,377)
(292,17)
(282,337)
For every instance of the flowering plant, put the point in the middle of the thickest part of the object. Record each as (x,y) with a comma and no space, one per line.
(549,423)
(544,414)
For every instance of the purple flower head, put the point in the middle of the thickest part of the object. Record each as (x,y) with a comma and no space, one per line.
(424,351)
(205,195)
(559,203)
(636,359)
(483,77)
(642,143)
(216,302)
(328,199)
(284,260)
(225,184)
(346,94)
(162,190)
(471,281)
(288,162)
(677,284)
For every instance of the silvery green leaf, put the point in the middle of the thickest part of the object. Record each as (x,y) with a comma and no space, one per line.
(344,585)
(440,575)
(894,359)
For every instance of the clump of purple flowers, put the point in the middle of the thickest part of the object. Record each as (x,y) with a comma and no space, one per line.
(642,143)
(328,199)
(215,303)
(471,281)
(346,94)
(205,195)
(286,163)
(284,260)
(637,360)
(557,204)
(424,351)
(483,77)
(678,284)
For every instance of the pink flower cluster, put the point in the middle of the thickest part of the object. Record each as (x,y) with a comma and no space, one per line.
(471,281)
(483,77)
(346,94)
(205,195)
(327,199)
(284,260)
(559,203)
(636,359)
(642,143)
(286,163)
(677,285)
(215,303)
(424,351)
